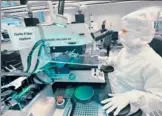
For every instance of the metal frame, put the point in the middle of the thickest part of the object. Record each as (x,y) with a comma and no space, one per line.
(38,6)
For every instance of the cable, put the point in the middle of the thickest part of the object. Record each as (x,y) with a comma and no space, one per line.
(37,62)
(42,45)
(31,53)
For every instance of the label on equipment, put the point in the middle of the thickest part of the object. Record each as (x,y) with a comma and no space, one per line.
(23,37)
(96,73)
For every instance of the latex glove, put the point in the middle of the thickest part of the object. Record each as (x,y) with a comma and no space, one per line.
(102,61)
(102,58)
(117,103)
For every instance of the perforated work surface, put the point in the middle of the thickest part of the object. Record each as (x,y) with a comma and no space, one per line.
(88,109)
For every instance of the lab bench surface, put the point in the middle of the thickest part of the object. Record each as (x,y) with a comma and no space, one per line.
(92,107)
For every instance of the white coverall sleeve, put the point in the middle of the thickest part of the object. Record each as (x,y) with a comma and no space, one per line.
(111,60)
(149,100)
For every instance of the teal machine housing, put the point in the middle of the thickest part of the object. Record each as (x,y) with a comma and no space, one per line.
(62,48)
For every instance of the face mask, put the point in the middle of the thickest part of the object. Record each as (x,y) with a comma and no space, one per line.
(131,44)
(130,39)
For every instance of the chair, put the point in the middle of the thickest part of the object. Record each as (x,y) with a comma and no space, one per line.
(156,44)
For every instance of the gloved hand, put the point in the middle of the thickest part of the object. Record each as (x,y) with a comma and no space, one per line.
(117,103)
(102,58)
(102,61)
(121,100)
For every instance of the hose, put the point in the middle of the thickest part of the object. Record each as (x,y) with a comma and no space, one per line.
(40,42)
(39,53)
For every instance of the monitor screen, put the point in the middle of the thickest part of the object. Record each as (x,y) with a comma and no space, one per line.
(79,18)
(31,21)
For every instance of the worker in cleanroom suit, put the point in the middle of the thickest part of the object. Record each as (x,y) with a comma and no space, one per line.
(137,76)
